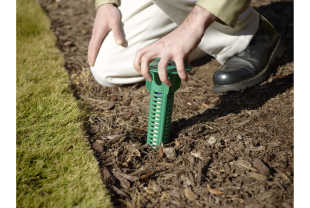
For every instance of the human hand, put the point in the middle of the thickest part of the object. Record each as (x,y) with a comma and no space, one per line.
(176,46)
(108,18)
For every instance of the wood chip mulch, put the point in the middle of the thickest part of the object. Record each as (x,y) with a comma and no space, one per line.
(226,150)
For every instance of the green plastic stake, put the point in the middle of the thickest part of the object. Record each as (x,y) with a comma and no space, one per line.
(161,103)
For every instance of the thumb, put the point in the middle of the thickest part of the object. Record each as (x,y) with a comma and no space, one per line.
(117,34)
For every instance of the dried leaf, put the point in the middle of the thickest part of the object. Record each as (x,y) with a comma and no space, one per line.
(243,163)
(161,152)
(174,192)
(68,43)
(117,139)
(214,191)
(108,176)
(229,156)
(74,76)
(141,170)
(128,177)
(70,147)
(113,98)
(135,152)
(127,164)
(190,195)
(112,137)
(188,182)
(110,105)
(100,142)
(123,182)
(197,155)
(127,101)
(262,168)
(169,152)
(212,140)
(147,176)
(126,95)
(120,192)
(257,176)
(216,101)
(115,153)
(128,116)
(98,147)
(190,106)
(258,149)
(227,168)
(285,178)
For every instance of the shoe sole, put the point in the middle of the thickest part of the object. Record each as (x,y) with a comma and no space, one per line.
(259,78)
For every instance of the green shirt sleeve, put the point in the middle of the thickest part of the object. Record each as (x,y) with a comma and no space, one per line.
(227,11)
(98,3)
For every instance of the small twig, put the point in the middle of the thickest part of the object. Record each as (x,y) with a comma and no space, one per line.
(141,170)
(169,144)
(199,173)
(91,99)
(133,87)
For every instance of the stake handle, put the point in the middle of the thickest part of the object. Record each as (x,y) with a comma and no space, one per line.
(161,102)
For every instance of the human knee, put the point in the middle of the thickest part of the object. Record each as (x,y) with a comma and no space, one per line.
(101,76)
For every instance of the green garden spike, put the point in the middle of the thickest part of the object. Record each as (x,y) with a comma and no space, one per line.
(161,103)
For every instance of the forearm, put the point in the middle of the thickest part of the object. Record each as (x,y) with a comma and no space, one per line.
(199,20)
(227,11)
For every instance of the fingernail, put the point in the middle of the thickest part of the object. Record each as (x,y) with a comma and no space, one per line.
(149,80)
(119,41)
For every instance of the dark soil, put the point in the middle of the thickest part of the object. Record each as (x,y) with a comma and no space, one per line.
(226,150)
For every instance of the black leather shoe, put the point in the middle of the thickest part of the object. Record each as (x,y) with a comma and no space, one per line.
(253,65)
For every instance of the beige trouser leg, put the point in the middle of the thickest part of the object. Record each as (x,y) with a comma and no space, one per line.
(146,22)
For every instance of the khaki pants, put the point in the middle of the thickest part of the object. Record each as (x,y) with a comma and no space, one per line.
(145,23)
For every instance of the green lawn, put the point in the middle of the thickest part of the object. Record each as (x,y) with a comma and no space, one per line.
(47,175)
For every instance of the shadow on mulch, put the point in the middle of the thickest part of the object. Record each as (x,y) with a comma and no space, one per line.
(235,102)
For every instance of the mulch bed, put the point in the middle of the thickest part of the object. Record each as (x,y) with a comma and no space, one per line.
(226,150)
